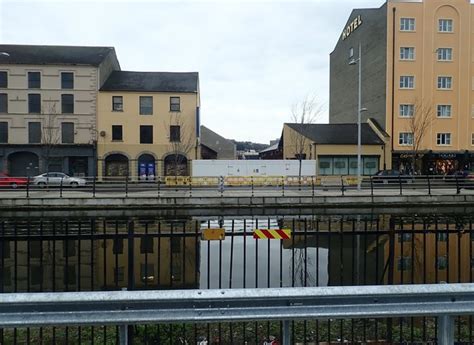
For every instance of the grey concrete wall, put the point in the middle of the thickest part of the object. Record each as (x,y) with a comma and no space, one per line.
(372,34)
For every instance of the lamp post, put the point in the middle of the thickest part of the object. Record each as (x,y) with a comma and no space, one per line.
(358,61)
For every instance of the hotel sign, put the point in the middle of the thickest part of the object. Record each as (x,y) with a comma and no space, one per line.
(353,26)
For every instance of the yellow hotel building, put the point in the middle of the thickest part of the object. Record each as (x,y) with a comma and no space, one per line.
(148,124)
(417,75)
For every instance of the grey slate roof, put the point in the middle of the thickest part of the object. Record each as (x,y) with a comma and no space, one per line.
(152,81)
(337,134)
(53,55)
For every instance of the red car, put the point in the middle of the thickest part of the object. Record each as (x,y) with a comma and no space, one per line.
(13,182)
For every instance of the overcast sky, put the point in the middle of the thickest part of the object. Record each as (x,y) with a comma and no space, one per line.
(255,58)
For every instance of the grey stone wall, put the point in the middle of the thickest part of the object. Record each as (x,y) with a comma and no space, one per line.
(372,34)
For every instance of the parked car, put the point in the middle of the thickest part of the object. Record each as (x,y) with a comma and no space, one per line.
(390,176)
(58,178)
(13,182)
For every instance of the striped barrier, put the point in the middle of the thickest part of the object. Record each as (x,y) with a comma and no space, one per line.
(272,234)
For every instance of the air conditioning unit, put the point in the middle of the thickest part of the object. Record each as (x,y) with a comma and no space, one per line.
(102,133)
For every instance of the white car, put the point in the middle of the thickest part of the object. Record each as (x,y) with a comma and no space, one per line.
(56,178)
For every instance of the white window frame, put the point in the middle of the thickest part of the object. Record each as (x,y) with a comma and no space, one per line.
(445,25)
(448,109)
(406,110)
(410,22)
(445,83)
(410,53)
(404,82)
(405,139)
(443,139)
(447,56)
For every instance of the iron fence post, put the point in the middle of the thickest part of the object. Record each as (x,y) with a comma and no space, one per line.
(371,186)
(158,179)
(283,186)
(429,185)
(458,190)
(251,181)
(445,330)
(28,187)
(123,329)
(400,184)
(190,187)
(312,185)
(286,333)
(93,185)
(126,186)
(342,186)
(61,188)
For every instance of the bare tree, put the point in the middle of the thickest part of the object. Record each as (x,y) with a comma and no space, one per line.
(418,125)
(181,142)
(50,134)
(303,113)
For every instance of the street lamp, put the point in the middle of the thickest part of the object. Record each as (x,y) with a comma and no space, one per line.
(359,111)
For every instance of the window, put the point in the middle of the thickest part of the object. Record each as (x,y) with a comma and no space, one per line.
(407,82)
(340,166)
(404,263)
(472,139)
(351,53)
(325,165)
(3,79)
(119,274)
(117,133)
(407,24)
(34,132)
(147,272)
(118,246)
(67,80)
(34,103)
(353,167)
(445,25)
(3,132)
(67,133)
(445,83)
(67,104)
(146,134)
(146,105)
(445,54)
(175,133)
(442,262)
(441,236)
(117,103)
(34,80)
(3,103)
(444,110)
(407,53)
(443,139)
(175,104)
(407,110)
(146,245)
(36,274)
(405,139)
(69,248)
(69,274)
(370,165)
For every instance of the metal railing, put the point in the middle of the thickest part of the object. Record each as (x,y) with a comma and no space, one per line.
(124,308)
(252,186)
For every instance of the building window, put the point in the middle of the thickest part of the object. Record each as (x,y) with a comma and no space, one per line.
(67,133)
(117,133)
(445,83)
(444,110)
(34,103)
(34,132)
(175,104)
(445,25)
(146,245)
(67,104)
(341,165)
(117,103)
(3,103)
(351,53)
(407,110)
(404,263)
(118,246)
(407,82)
(146,134)
(445,54)
(443,139)
(175,133)
(347,165)
(442,237)
(472,139)
(3,132)
(67,80)
(407,53)
(70,275)
(3,79)
(407,24)
(405,139)
(34,80)
(146,105)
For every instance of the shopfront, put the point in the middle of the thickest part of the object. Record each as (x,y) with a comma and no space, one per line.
(435,163)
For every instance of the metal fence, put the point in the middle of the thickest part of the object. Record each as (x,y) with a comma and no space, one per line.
(56,255)
(185,186)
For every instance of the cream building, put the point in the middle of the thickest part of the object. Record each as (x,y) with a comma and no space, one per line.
(417,72)
(148,124)
(48,106)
